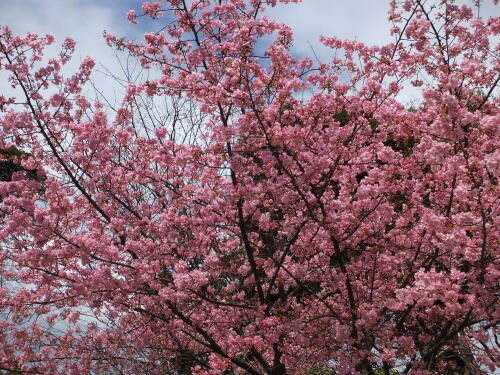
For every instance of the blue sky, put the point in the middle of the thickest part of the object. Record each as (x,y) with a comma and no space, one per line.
(85,20)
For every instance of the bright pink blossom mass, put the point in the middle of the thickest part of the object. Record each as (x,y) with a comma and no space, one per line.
(248,211)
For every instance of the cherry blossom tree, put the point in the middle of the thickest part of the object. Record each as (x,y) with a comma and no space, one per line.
(277,216)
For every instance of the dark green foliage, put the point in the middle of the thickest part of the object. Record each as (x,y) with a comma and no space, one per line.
(343,117)
(403,145)
(12,151)
(9,166)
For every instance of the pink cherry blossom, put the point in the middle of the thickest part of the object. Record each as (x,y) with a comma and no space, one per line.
(245,210)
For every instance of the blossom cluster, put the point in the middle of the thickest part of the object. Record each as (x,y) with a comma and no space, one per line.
(249,212)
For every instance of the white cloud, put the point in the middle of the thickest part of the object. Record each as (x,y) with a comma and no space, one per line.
(362,20)
(83,21)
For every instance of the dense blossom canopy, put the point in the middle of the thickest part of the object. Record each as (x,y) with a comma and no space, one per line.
(246,211)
